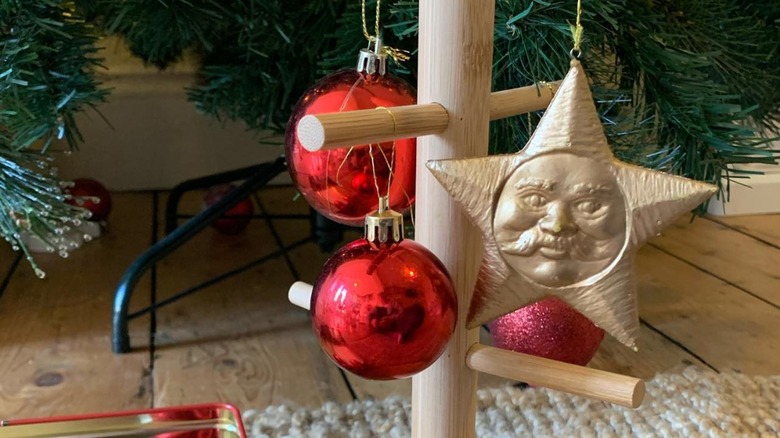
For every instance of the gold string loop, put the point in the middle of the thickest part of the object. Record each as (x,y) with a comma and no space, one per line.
(549,86)
(392,116)
(398,55)
(576,33)
(370,38)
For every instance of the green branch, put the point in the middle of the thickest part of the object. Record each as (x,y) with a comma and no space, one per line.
(678,82)
(47,56)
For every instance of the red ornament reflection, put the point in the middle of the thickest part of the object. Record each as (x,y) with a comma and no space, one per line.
(548,328)
(180,416)
(93,196)
(236,219)
(384,312)
(196,421)
(340,183)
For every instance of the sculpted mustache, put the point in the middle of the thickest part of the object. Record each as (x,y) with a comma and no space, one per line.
(579,246)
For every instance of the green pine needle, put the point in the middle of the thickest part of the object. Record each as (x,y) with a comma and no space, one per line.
(678,83)
(47,57)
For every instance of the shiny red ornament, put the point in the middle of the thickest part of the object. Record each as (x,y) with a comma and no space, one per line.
(93,196)
(234,220)
(384,312)
(549,328)
(340,183)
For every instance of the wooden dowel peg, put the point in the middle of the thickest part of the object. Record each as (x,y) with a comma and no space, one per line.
(337,130)
(334,130)
(300,294)
(521,100)
(574,379)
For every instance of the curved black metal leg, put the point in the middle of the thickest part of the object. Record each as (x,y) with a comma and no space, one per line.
(171,207)
(260,176)
(325,232)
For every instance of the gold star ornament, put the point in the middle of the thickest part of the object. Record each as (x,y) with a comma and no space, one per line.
(564,217)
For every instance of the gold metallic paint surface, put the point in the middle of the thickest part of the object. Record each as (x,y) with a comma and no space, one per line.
(564,217)
(560,219)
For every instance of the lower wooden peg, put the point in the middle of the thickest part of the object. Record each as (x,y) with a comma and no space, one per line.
(574,379)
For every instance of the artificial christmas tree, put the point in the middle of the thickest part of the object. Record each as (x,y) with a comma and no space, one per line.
(47,58)
(677,83)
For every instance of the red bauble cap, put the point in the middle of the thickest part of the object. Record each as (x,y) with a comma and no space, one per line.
(340,183)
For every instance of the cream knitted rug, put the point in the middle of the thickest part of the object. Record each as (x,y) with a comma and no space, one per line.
(694,403)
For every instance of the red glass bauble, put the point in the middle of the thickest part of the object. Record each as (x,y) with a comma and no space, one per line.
(548,328)
(234,220)
(339,183)
(93,196)
(384,312)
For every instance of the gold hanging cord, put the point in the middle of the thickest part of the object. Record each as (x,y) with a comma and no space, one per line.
(398,55)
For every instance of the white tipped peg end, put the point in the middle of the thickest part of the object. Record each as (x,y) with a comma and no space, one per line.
(300,294)
(311,133)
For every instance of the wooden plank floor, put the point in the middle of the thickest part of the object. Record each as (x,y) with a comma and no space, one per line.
(55,349)
(709,295)
(241,342)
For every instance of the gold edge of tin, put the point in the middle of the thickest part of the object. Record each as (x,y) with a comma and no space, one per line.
(104,427)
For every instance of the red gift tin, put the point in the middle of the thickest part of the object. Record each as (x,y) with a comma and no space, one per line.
(199,421)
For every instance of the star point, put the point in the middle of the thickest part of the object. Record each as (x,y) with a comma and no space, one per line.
(564,217)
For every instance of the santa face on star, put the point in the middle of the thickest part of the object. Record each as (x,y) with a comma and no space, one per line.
(560,219)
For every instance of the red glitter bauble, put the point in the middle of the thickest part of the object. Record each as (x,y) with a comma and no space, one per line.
(384,312)
(93,196)
(340,183)
(548,328)
(234,220)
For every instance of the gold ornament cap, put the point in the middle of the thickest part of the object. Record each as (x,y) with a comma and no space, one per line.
(372,61)
(384,226)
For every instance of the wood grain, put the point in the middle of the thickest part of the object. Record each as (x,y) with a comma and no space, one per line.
(726,327)
(361,127)
(561,376)
(283,366)
(55,349)
(507,103)
(239,341)
(379,389)
(727,254)
(656,355)
(455,63)
(243,342)
(765,227)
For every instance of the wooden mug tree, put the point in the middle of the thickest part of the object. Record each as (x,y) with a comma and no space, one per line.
(456,105)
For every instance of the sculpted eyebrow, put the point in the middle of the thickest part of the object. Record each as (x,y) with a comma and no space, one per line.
(538,183)
(591,189)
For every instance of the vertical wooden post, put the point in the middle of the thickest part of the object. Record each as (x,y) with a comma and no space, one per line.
(455,65)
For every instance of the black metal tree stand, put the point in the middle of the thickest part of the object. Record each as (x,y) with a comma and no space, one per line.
(323,231)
